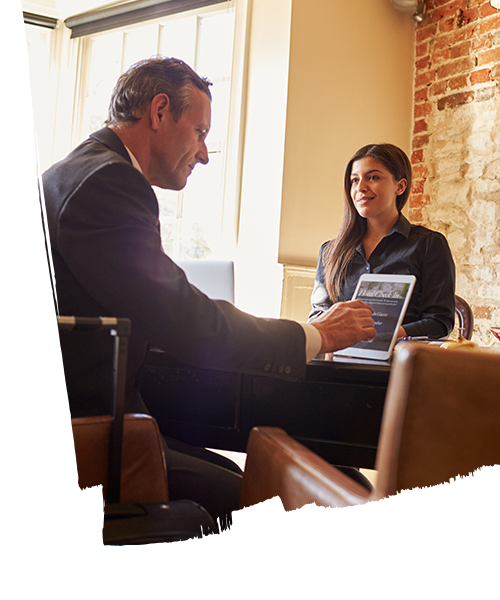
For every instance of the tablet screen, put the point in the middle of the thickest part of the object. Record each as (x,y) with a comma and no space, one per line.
(388,295)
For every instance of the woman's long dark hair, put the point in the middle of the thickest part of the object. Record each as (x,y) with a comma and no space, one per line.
(339,252)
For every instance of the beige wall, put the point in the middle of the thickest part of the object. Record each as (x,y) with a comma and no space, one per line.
(350,83)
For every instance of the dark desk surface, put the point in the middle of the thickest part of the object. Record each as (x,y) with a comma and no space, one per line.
(336,411)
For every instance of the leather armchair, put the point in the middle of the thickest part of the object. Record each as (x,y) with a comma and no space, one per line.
(143,473)
(438,459)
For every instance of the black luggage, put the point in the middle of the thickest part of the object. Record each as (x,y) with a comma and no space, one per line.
(132,522)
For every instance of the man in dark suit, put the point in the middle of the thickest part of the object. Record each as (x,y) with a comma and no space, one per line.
(108,261)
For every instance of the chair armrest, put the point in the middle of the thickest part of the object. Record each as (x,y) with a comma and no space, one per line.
(143,476)
(278,465)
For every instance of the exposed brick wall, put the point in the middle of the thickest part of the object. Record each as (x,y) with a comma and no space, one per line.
(456,145)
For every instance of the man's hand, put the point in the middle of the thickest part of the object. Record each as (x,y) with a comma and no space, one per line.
(345,324)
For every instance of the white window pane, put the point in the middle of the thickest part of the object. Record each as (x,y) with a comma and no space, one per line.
(193,241)
(178,39)
(168,202)
(168,237)
(220,112)
(140,43)
(104,70)
(215,46)
(202,207)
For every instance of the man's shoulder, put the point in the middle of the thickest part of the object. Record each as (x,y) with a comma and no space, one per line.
(101,148)
(106,139)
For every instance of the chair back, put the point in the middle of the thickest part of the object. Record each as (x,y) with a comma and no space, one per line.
(143,474)
(215,278)
(465,317)
(441,416)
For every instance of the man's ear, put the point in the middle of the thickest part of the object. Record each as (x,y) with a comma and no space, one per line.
(159,110)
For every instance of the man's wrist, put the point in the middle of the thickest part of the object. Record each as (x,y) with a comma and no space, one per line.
(314,341)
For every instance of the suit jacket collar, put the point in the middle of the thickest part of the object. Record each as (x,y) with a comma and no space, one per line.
(109,138)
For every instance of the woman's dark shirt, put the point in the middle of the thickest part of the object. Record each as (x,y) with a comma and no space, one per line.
(407,250)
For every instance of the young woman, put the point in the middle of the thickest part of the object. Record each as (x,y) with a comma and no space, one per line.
(375,237)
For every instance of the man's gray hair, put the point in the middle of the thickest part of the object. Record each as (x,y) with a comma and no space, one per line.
(141,82)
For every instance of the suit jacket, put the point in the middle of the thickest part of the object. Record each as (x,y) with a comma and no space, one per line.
(108,261)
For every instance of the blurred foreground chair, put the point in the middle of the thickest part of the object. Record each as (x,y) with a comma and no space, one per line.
(441,420)
(143,468)
(465,317)
(144,513)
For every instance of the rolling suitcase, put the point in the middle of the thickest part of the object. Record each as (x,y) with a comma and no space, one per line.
(133,522)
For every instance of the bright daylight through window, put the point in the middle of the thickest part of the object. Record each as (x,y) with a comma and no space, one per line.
(29,58)
(191,220)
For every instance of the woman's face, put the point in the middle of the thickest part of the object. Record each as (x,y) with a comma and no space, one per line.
(374,190)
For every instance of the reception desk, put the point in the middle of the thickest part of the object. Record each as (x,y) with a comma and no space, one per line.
(336,411)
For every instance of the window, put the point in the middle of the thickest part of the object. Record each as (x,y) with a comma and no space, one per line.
(192,219)
(195,220)
(29,119)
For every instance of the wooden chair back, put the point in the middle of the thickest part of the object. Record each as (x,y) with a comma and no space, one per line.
(465,317)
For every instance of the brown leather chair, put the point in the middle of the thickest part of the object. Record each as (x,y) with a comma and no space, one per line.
(465,317)
(143,475)
(441,420)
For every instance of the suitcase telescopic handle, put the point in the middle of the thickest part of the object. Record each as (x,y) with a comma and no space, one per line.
(45,328)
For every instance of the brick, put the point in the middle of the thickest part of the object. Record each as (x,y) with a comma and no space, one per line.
(438,89)
(420,126)
(418,187)
(436,3)
(419,200)
(424,78)
(422,110)
(461,19)
(481,76)
(485,26)
(461,65)
(422,49)
(470,15)
(488,56)
(459,50)
(450,39)
(446,25)
(495,72)
(455,100)
(416,215)
(456,83)
(426,32)
(417,156)
(482,42)
(421,171)
(486,10)
(440,56)
(421,140)
(421,95)
(423,63)
(450,9)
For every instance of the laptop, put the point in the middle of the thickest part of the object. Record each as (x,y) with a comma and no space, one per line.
(215,278)
(389,296)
